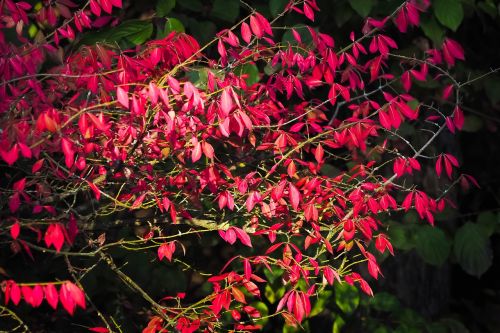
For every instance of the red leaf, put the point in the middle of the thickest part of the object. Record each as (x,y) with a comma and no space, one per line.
(247,268)
(208,150)
(95,8)
(19,185)
(27,294)
(11,156)
(375,68)
(54,236)
(246,34)
(71,296)
(13,292)
(196,152)
(67,300)
(447,166)
(117,3)
(15,229)
(94,189)
(447,91)
(226,102)
(291,169)
(243,236)
(407,202)
(166,250)
(400,21)
(308,12)
(106,6)
(382,243)
(458,118)
(439,165)
(255,26)
(319,153)
(238,295)
(37,166)
(37,296)
(122,97)
(330,275)
(365,287)
(99,329)
(296,35)
(25,150)
(294,196)
(264,23)
(69,153)
(406,81)
(51,295)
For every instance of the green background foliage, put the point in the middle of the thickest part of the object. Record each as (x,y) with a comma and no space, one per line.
(464,242)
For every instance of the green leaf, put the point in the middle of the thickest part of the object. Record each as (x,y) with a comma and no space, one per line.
(346,297)
(142,35)
(410,320)
(487,222)
(385,302)
(401,236)
(437,328)
(492,87)
(270,294)
(338,324)
(449,13)
(198,76)
(342,13)
(454,326)
(203,31)
(227,10)
(362,7)
(472,249)
(250,70)
(432,245)
(433,30)
(164,7)
(173,24)
(32,30)
(264,311)
(321,302)
(304,33)
(489,8)
(277,6)
(136,31)
(194,5)
(472,123)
